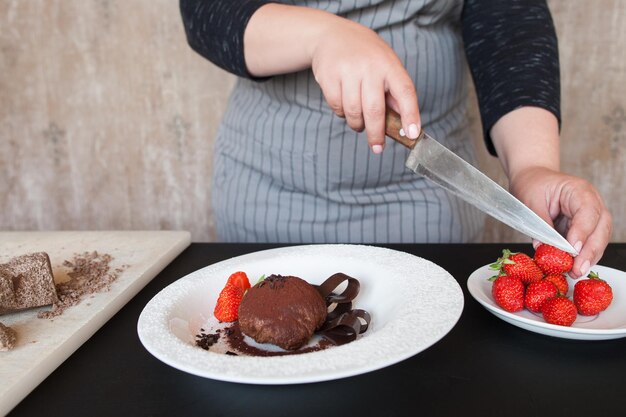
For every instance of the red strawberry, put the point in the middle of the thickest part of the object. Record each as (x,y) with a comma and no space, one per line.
(592,295)
(559,310)
(508,292)
(560,281)
(537,293)
(518,264)
(239,279)
(227,306)
(553,260)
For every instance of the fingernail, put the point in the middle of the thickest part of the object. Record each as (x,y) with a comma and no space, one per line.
(413,131)
(578,246)
(402,132)
(584,268)
(377,149)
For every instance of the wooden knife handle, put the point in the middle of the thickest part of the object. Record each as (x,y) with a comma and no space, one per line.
(393,124)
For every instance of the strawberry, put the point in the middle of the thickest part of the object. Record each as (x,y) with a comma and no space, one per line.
(553,260)
(239,279)
(592,295)
(508,292)
(537,293)
(559,310)
(227,306)
(518,264)
(560,281)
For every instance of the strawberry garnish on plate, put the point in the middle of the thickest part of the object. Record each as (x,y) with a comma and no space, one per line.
(537,293)
(592,295)
(552,260)
(559,310)
(508,292)
(518,264)
(239,279)
(227,306)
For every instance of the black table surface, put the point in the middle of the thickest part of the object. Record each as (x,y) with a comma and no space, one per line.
(483,366)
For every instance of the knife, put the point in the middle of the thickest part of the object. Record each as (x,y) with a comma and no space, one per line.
(446,169)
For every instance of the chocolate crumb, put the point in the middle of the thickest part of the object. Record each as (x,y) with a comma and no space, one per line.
(231,353)
(205,341)
(90,272)
(8,336)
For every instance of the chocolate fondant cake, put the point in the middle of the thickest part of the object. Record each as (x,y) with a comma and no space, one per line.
(282,310)
(25,282)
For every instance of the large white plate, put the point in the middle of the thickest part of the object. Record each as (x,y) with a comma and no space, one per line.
(609,324)
(412,301)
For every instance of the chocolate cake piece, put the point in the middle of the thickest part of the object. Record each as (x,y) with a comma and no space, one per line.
(7,338)
(26,281)
(282,310)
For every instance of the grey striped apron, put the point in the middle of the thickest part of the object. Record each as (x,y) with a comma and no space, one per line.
(288,170)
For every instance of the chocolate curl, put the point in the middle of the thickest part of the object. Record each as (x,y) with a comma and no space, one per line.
(342,325)
(338,311)
(345,328)
(349,294)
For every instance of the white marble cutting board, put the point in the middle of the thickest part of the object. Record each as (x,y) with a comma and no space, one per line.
(43,344)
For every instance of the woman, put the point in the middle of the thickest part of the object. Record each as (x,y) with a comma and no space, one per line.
(287,169)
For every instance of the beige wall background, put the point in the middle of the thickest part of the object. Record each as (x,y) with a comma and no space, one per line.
(107,118)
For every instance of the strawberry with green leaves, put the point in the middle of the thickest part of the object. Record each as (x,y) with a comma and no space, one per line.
(518,264)
(537,293)
(559,310)
(508,292)
(592,295)
(552,260)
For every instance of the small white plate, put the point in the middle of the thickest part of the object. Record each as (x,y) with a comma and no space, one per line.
(609,324)
(412,301)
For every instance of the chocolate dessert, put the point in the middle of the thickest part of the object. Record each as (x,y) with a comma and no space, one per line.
(282,310)
(7,338)
(25,282)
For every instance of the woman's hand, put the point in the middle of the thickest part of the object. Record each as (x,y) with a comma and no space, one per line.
(357,71)
(573,206)
(527,142)
(360,75)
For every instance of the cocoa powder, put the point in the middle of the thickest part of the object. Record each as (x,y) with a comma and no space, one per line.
(90,272)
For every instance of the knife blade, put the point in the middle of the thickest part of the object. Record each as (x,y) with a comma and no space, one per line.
(434,161)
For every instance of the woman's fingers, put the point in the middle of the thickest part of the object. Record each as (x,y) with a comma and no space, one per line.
(589,225)
(574,207)
(332,93)
(352,104)
(374,113)
(402,89)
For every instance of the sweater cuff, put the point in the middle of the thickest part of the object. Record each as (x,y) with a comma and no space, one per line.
(215,30)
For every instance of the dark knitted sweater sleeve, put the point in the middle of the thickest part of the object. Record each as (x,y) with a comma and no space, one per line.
(511,47)
(215,29)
